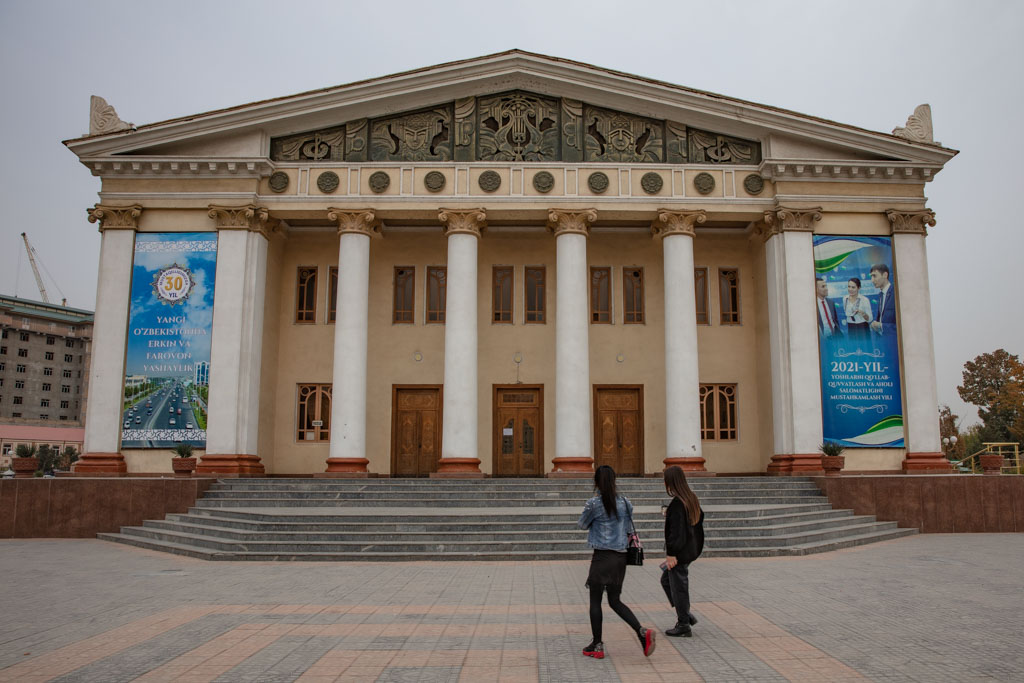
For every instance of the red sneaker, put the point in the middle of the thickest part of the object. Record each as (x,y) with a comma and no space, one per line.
(595,650)
(647,640)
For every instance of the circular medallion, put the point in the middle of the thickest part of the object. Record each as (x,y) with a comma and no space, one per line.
(434,181)
(543,182)
(173,284)
(328,182)
(379,181)
(652,183)
(279,181)
(489,181)
(597,182)
(704,182)
(753,183)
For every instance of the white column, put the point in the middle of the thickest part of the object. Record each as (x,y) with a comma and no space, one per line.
(793,342)
(348,391)
(459,427)
(106,374)
(914,308)
(236,348)
(573,432)
(682,377)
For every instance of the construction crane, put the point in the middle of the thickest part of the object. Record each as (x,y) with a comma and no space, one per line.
(35,271)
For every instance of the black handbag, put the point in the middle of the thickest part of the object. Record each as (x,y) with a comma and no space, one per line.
(634,549)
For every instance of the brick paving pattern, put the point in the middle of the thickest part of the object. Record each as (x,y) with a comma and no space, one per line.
(923,608)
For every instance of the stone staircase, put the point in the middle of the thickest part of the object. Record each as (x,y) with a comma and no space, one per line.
(488,519)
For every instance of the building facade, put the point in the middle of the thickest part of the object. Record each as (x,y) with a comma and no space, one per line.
(519,266)
(44,362)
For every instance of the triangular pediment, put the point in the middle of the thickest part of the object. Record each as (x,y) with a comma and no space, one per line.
(513,106)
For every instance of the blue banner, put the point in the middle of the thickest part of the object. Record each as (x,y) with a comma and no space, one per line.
(170,323)
(861,397)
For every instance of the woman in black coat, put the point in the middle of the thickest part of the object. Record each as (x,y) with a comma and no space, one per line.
(684,541)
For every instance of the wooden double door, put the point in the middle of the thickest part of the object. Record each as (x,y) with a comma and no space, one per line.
(518,439)
(415,430)
(619,428)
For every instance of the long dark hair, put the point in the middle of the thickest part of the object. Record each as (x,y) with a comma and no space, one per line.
(604,482)
(676,486)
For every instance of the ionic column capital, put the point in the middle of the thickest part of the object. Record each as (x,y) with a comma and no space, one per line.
(115,217)
(912,222)
(355,221)
(784,219)
(677,222)
(248,217)
(457,221)
(569,221)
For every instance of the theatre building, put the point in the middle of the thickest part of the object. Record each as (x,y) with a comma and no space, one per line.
(514,265)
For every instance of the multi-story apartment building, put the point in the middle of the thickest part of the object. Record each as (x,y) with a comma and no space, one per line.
(44,361)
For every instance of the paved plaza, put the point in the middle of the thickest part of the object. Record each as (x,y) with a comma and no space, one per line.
(936,607)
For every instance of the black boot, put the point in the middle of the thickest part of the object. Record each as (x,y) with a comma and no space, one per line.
(680,631)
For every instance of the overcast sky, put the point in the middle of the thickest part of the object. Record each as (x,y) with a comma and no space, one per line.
(864,63)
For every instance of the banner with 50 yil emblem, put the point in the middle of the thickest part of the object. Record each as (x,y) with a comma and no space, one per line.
(861,397)
(167,365)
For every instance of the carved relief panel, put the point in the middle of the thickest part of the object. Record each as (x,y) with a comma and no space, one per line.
(420,136)
(322,145)
(614,136)
(712,148)
(517,126)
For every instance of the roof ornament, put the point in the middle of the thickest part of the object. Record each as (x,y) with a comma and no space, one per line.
(919,126)
(103,119)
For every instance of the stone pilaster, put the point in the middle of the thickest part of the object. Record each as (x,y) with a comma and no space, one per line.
(793,342)
(236,347)
(459,430)
(574,451)
(102,448)
(348,402)
(682,378)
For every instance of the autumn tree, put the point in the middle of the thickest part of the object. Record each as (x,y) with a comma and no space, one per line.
(995,383)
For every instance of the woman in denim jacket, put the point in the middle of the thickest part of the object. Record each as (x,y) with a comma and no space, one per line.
(609,516)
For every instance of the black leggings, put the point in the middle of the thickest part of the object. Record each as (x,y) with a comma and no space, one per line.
(596,618)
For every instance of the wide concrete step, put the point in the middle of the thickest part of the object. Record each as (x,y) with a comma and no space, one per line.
(527,493)
(812,547)
(654,485)
(247,502)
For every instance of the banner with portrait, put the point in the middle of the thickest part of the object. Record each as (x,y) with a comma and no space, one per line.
(855,288)
(170,323)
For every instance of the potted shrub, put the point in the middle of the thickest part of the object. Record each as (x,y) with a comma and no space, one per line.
(832,459)
(25,464)
(183,463)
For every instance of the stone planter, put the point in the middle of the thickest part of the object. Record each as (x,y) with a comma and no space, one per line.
(991,464)
(183,467)
(832,464)
(24,468)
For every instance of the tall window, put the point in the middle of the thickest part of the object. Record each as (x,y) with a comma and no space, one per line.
(536,293)
(729,296)
(502,288)
(718,412)
(305,295)
(314,413)
(437,293)
(24,336)
(633,295)
(332,296)
(405,288)
(700,291)
(601,295)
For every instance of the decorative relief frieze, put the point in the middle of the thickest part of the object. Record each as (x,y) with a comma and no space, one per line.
(617,137)
(278,181)
(379,182)
(327,182)
(356,140)
(910,222)
(434,181)
(672,222)
(465,129)
(711,148)
(358,221)
(569,221)
(489,181)
(597,182)
(323,145)
(572,130)
(517,126)
(676,150)
(753,184)
(421,136)
(651,183)
(543,182)
(469,222)
(704,183)
(115,217)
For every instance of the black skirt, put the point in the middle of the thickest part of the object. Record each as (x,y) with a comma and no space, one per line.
(607,569)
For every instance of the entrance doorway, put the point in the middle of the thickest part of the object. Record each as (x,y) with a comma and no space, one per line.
(518,440)
(619,428)
(415,429)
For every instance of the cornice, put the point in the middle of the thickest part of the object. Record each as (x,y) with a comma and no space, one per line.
(115,217)
(910,222)
(785,219)
(355,221)
(824,170)
(670,222)
(161,167)
(571,221)
(457,221)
